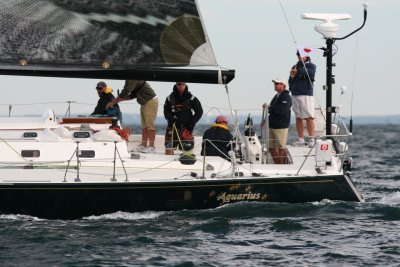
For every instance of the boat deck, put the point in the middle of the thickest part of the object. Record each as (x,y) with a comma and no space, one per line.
(156,167)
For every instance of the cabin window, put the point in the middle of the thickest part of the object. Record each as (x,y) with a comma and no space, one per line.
(30,153)
(87,153)
(30,134)
(81,135)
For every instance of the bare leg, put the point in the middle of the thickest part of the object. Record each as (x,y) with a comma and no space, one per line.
(152,137)
(282,156)
(300,127)
(310,126)
(275,155)
(145,136)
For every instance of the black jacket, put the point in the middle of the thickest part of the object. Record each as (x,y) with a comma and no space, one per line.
(185,110)
(279,111)
(220,138)
(102,103)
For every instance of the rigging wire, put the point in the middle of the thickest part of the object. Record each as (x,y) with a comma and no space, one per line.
(287,21)
(353,84)
(295,42)
(7,144)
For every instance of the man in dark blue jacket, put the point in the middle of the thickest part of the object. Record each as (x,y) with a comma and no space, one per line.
(217,139)
(279,121)
(301,85)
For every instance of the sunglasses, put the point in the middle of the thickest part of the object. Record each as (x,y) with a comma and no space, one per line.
(277,83)
(181,83)
(99,88)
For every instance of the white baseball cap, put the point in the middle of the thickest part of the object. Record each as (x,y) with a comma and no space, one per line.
(281,80)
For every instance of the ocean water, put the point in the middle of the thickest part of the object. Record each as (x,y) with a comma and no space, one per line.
(326,233)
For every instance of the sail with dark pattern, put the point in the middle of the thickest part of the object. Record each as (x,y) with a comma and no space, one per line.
(132,39)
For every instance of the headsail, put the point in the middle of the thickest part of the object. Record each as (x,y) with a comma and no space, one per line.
(134,39)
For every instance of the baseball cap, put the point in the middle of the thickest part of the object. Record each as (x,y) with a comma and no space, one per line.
(221,119)
(280,80)
(101,85)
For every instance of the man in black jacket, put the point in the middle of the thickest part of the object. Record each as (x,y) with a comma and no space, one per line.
(105,94)
(182,110)
(279,121)
(217,139)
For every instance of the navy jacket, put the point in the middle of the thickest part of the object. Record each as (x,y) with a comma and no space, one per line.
(300,83)
(221,138)
(279,111)
(185,110)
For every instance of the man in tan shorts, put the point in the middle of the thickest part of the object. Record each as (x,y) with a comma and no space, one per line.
(148,101)
(279,121)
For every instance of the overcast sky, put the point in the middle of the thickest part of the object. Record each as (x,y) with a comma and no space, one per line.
(252,37)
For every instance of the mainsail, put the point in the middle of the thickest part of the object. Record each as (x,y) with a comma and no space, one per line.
(132,39)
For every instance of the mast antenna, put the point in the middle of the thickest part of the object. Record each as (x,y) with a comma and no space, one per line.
(328,29)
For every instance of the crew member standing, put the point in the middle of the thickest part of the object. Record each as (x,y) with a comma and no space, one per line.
(279,121)
(148,101)
(182,110)
(301,85)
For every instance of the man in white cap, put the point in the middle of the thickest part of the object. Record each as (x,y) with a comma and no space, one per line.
(279,121)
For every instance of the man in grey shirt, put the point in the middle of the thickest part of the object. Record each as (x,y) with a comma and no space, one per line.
(148,101)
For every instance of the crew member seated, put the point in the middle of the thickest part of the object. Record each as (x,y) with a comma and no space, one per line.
(105,94)
(217,139)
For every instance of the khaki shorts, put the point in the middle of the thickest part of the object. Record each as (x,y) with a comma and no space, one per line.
(278,138)
(303,106)
(148,114)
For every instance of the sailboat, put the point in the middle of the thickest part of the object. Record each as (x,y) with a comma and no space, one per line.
(71,167)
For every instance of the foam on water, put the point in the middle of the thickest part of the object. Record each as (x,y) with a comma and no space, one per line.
(392,199)
(324,202)
(19,217)
(119,215)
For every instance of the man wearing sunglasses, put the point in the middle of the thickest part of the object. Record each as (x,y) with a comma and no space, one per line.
(279,121)
(105,96)
(182,110)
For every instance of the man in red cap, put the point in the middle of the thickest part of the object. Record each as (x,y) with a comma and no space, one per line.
(216,140)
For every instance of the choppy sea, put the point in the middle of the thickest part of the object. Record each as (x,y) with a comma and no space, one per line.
(326,233)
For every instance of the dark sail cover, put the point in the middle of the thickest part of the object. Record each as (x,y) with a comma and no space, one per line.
(138,39)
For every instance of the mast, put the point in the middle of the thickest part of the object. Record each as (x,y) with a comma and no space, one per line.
(329,82)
